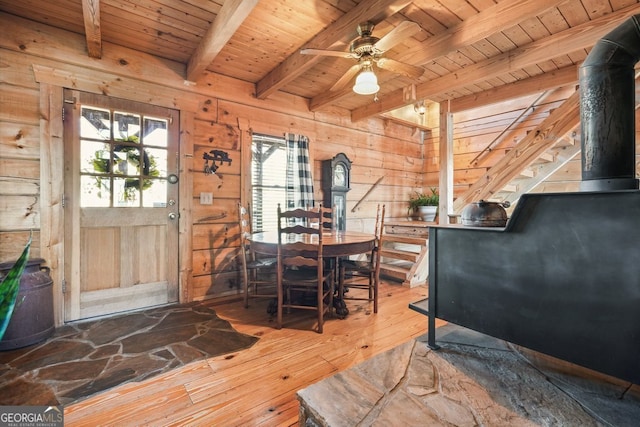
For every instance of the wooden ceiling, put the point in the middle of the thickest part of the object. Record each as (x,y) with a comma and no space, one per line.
(472,51)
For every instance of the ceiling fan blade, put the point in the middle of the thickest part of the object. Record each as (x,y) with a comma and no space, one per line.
(327,53)
(346,77)
(400,67)
(404,30)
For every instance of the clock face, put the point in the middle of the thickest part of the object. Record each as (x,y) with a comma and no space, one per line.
(340,175)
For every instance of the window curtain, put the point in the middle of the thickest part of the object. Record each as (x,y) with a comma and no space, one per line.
(299,180)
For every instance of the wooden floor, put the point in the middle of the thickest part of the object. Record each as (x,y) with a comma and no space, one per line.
(257,386)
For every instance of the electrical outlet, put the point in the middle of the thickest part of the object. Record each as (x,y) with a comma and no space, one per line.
(206,198)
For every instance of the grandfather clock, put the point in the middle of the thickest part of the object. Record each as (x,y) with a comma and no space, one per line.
(336,182)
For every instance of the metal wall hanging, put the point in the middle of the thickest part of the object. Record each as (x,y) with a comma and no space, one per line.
(214,156)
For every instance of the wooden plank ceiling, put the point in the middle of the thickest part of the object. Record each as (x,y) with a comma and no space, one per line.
(469,49)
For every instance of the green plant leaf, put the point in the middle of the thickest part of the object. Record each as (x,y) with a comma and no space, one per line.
(9,289)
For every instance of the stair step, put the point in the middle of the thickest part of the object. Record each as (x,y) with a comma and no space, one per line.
(395,271)
(399,254)
(501,195)
(404,251)
(546,158)
(509,188)
(527,173)
(402,238)
(568,140)
(411,228)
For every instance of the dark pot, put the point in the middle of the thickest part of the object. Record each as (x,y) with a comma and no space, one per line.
(485,214)
(32,319)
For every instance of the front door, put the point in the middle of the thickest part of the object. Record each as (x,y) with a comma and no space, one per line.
(121,226)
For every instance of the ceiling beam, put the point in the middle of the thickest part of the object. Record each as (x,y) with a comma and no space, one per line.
(573,39)
(93,34)
(549,80)
(339,32)
(232,14)
(490,21)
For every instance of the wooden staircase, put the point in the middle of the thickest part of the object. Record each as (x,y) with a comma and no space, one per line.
(539,170)
(405,246)
(537,156)
(540,154)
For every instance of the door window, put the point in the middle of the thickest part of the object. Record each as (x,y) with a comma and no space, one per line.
(123,159)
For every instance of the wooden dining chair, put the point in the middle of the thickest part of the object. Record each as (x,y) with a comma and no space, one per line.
(327,217)
(258,273)
(301,269)
(352,271)
(325,213)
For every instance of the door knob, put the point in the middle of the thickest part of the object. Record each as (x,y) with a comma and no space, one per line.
(173,215)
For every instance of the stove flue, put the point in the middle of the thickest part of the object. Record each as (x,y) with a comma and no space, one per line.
(607,110)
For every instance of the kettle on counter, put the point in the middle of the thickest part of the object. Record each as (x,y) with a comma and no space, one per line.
(485,214)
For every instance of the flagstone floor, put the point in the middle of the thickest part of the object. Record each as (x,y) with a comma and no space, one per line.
(472,380)
(85,358)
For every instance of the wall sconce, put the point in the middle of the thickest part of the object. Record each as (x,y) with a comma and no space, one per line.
(214,156)
(420,108)
(366,82)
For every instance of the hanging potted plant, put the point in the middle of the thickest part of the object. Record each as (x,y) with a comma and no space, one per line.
(424,206)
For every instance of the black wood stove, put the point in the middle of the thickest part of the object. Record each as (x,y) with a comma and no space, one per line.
(563,276)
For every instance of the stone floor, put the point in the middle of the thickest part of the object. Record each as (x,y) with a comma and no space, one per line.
(82,359)
(473,380)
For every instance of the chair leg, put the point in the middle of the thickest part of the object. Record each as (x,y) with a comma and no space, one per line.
(341,282)
(375,295)
(246,289)
(279,309)
(320,307)
(332,289)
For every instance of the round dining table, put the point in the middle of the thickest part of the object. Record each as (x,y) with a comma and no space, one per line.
(335,243)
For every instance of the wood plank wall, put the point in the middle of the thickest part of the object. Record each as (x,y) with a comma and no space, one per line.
(218,113)
(19,161)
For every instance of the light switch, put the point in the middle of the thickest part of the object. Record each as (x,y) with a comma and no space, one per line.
(206,198)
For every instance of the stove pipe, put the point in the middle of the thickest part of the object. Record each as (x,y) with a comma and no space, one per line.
(607,110)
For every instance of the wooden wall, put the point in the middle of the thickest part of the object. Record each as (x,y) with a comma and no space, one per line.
(217,113)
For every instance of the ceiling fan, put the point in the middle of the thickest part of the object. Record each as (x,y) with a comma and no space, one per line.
(368,50)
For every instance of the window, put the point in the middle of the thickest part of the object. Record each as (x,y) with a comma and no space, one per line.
(280,174)
(123,159)
(268,180)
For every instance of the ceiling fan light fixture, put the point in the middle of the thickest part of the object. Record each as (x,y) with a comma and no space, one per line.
(366,82)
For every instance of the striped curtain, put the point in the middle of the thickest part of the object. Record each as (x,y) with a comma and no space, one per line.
(299,180)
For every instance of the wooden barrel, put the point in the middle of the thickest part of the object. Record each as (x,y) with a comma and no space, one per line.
(32,320)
